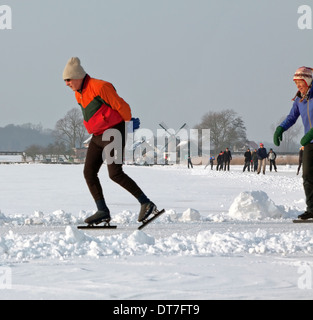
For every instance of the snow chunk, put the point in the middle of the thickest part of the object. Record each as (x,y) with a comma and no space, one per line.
(191,215)
(125,217)
(140,238)
(73,235)
(254,205)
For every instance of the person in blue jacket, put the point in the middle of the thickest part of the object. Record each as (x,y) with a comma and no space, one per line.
(302,106)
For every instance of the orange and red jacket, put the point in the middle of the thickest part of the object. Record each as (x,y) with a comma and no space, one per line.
(102,107)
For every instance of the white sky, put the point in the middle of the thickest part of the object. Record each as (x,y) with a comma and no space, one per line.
(171,60)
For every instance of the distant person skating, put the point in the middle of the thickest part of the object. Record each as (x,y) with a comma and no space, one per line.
(227,159)
(220,161)
(262,156)
(189,162)
(302,106)
(272,158)
(247,156)
(211,162)
(255,160)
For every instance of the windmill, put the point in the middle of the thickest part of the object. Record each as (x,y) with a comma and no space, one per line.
(143,149)
(166,150)
(169,149)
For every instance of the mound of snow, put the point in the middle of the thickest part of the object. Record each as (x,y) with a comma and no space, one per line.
(254,205)
(62,218)
(190,215)
(140,238)
(75,243)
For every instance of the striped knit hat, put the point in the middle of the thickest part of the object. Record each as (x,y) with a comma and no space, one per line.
(304,73)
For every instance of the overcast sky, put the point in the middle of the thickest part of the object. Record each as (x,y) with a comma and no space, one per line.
(171,60)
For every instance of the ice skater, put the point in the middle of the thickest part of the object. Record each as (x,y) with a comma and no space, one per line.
(302,106)
(271,156)
(103,109)
(189,162)
(262,155)
(247,157)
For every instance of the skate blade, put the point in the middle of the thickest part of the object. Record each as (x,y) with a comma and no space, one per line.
(97,227)
(303,221)
(154,216)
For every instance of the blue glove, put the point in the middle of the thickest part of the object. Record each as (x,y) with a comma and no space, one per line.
(136,123)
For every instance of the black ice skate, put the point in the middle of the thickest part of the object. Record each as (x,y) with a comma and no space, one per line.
(145,210)
(306,217)
(148,212)
(97,218)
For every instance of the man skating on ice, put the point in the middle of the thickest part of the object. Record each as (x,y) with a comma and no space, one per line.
(103,109)
(302,106)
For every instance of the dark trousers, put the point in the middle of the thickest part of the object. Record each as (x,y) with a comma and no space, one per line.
(273,164)
(308,175)
(219,166)
(94,161)
(255,166)
(247,165)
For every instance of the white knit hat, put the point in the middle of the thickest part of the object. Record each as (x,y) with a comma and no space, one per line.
(73,69)
(304,73)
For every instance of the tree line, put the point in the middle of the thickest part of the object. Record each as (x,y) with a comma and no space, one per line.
(69,133)
(227,129)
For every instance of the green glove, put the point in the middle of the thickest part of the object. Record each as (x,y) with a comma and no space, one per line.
(307,138)
(278,135)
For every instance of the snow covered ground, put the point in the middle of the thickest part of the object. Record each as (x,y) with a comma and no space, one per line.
(225,235)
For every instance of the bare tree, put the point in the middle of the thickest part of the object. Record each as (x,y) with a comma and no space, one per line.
(57,150)
(226,129)
(33,151)
(71,130)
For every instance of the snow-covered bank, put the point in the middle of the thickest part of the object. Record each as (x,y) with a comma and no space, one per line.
(75,243)
(252,207)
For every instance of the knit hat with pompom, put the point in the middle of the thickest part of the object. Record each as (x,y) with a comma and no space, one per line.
(73,69)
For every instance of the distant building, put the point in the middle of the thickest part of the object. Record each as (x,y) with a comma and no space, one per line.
(12,157)
(80,153)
